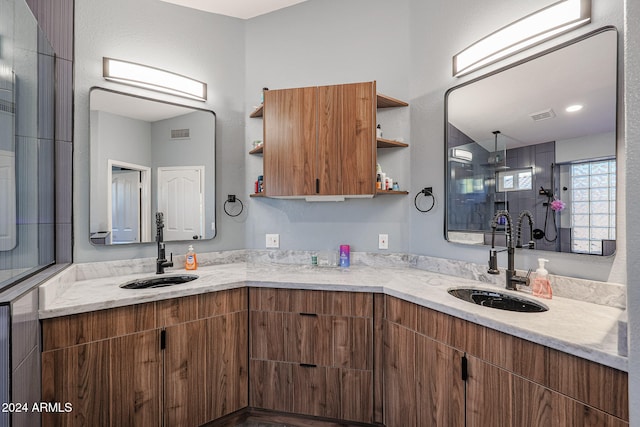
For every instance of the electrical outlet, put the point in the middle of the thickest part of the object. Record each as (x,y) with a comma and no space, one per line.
(273,241)
(383,241)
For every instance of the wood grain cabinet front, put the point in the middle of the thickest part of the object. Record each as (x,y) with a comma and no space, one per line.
(311,353)
(441,370)
(320,140)
(179,362)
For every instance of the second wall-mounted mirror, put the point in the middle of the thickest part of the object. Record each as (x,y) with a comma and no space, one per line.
(538,136)
(149,156)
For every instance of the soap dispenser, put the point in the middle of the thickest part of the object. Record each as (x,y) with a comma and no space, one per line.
(541,286)
(191,262)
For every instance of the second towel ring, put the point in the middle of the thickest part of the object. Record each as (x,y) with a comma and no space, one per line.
(427,191)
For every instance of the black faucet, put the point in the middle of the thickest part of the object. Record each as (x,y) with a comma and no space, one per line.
(531,244)
(512,278)
(161,261)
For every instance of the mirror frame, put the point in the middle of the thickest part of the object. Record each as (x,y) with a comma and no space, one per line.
(152,221)
(508,67)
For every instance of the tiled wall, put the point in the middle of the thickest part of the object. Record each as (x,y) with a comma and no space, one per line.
(55,17)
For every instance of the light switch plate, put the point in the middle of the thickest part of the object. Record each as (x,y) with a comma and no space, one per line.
(383,241)
(273,241)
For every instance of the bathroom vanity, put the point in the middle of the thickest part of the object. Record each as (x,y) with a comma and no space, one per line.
(373,345)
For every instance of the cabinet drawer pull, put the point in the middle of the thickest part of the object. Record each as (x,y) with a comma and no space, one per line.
(308,365)
(309,314)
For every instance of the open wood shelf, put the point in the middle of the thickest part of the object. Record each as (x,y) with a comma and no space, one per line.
(257,195)
(257,112)
(257,150)
(389,143)
(378,192)
(384,101)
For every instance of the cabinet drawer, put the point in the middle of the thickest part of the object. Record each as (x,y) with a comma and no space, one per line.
(307,389)
(357,304)
(66,331)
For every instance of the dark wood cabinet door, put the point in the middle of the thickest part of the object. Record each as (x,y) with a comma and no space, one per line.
(346,138)
(206,369)
(109,382)
(440,394)
(399,376)
(290,141)
(78,375)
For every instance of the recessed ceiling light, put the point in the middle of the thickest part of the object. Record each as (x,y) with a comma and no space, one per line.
(573,108)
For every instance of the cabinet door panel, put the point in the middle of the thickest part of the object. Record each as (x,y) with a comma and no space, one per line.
(78,375)
(399,376)
(271,385)
(290,141)
(353,342)
(358,141)
(267,335)
(329,134)
(356,401)
(136,375)
(489,395)
(187,400)
(440,388)
(346,138)
(308,339)
(316,391)
(228,371)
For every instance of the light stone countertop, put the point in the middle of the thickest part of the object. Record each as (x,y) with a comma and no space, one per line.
(580,328)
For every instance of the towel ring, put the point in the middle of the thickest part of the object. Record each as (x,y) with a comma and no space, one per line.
(231,198)
(427,191)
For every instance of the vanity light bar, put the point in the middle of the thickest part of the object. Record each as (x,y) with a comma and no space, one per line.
(143,76)
(551,21)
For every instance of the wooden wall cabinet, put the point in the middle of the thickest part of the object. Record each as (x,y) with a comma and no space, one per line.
(311,353)
(321,140)
(449,370)
(173,362)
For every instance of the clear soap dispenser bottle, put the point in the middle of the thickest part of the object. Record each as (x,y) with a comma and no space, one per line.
(541,286)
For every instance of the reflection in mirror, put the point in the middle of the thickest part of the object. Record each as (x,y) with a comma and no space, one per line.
(538,136)
(149,156)
(8,229)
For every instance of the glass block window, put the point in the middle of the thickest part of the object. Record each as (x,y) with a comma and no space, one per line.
(514,179)
(593,205)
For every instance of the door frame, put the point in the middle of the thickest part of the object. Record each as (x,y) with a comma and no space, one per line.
(145,196)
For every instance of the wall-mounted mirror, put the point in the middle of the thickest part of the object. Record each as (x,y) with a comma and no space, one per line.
(149,156)
(538,136)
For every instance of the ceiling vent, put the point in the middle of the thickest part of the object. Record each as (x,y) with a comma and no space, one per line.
(543,115)
(180,134)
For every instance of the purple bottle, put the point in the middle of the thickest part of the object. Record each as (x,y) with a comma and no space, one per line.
(345,256)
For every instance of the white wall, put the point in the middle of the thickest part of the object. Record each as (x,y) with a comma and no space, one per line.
(203,46)
(597,146)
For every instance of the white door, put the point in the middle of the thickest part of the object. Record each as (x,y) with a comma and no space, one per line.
(125,204)
(181,199)
(7,200)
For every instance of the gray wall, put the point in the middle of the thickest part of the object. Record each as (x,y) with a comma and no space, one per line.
(117,138)
(332,42)
(203,46)
(632,130)
(198,150)
(438,30)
